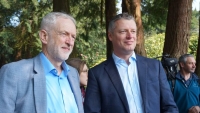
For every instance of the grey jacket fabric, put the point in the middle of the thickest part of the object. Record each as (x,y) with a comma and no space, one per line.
(23,87)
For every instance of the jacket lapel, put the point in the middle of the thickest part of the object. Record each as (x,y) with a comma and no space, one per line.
(39,82)
(74,84)
(142,76)
(113,74)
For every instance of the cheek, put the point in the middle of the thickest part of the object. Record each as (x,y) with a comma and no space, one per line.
(72,44)
(83,76)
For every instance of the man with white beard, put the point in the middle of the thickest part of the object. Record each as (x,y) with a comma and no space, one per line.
(45,83)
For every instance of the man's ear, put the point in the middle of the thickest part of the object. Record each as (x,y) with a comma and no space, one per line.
(110,36)
(43,36)
(181,64)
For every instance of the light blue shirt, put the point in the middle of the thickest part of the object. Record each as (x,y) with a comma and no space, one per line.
(60,98)
(129,77)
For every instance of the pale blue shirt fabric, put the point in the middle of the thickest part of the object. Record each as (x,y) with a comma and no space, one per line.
(60,98)
(129,77)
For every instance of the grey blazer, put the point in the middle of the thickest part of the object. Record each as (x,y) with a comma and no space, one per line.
(23,87)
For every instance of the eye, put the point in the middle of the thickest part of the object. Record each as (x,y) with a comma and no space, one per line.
(63,34)
(133,31)
(85,71)
(74,37)
(122,31)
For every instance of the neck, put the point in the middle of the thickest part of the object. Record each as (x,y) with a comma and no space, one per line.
(56,64)
(185,75)
(124,56)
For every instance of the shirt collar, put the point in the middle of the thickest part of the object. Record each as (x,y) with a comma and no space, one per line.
(48,66)
(118,60)
(179,76)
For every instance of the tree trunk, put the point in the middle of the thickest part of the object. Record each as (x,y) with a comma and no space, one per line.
(110,11)
(133,7)
(197,71)
(61,6)
(177,29)
(64,6)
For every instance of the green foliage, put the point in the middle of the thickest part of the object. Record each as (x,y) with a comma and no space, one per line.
(154,14)
(23,40)
(193,44)
(5,4)
(154,17)
(91,43)
(91,51)
(6,42)
(154,45)
(195,22)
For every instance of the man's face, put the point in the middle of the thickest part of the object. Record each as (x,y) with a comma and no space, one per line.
(190,65)
(123,37)
(61,40)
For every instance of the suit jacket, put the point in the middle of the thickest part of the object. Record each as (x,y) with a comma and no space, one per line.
(23,87)
(105,92)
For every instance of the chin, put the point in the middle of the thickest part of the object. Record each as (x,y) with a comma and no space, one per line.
(66,56)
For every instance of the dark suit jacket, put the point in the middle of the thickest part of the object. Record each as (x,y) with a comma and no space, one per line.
(23,87)
(105,92)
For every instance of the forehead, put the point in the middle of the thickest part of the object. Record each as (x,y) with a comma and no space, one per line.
(65,24)
(190,59)
(123,23)
(85,66)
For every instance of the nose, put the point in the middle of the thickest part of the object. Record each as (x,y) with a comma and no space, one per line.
(194,65)
(129,34)
(70,40)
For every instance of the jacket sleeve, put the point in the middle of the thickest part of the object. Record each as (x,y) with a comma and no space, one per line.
(8,89)
(92,103)
(167,101)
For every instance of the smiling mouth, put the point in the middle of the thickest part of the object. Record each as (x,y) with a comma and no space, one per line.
(130,42)
(66,48)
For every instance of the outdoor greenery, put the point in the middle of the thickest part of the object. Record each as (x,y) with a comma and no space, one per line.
(19,25)
(91,41)
(154,45)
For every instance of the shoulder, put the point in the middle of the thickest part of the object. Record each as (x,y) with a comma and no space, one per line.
(146,60)
(195,76)
(72,69)
(104,64)
(16,71)
(19,66)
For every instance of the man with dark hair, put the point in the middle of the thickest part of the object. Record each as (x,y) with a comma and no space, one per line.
(127,82)
(186,87)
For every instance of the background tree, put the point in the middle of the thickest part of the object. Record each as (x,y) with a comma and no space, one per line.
(61,6)
(110,11)
(154,14)
(19,24)
(178,27)
(197,71)
(90,16)
(134,7)
(19,28)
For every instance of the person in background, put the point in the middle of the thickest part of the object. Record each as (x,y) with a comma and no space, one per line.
(127,82)
(82,68)
(45,83)
(186,86)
